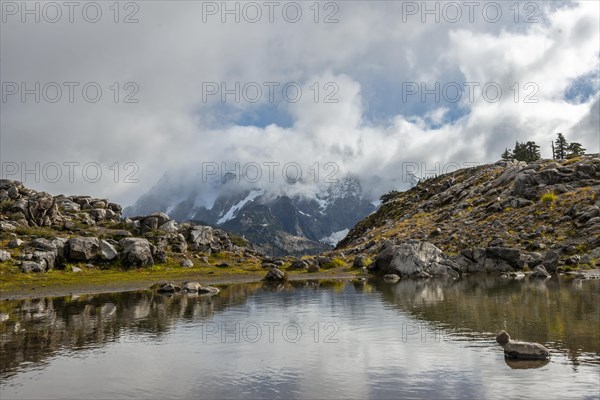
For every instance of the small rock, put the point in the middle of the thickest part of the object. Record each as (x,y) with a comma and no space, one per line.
(4,255)
(13,244)
(75,269)
(313,268)
(573,260)
(168,288)
(187,263)
(517,275)
(211,290)
(391,278)
(191,287)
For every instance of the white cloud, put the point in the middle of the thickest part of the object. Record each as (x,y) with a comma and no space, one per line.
(368,54)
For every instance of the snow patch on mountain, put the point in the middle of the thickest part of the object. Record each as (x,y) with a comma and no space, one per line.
(335,237)
(231,213)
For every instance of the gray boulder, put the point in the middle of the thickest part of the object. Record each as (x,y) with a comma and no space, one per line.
(187,263)
(540,272)
(136,252)
(169,227)
(412,257)
(275,274)
(521,350)
(297,264)
(83,248)
(550,260)
(148,224)
(191,287)
(33,266)
(201,235)
(107,250)
(511,256)
(437,269)
(385,256)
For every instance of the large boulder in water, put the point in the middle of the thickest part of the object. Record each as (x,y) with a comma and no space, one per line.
(521,350)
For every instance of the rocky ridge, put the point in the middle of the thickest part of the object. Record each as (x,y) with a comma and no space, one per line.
(41,232)
(502,217)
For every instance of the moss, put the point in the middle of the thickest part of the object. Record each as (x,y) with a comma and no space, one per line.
(335,262)
(548,198)
(569,268)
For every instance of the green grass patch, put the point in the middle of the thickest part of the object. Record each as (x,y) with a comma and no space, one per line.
(335,262)
(46,233)
(548,198)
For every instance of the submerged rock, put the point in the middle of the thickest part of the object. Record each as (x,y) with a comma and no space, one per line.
(168,288)
(392,278)
(521,350)
(211,290)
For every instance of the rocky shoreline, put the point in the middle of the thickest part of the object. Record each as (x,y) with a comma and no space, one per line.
(506,218)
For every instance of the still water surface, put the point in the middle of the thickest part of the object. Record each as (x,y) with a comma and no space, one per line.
(328,339)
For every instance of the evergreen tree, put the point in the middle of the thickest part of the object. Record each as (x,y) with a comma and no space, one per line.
(532,151)
(507,155)
(527,152)
(520,152)
(575,149)
(561,147)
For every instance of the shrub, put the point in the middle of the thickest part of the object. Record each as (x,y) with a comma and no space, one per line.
(548,198)
(6,204)
(335,262)
(238,240)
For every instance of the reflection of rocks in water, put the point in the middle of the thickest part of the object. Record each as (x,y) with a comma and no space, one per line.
(108,310)
(38,327)
(525,364)
(544,311)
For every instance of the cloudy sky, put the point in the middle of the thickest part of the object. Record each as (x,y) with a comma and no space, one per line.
(370,86)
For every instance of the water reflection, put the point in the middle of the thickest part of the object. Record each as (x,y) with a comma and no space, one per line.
(35,329)
(412,339)
(525,364)
(560,312)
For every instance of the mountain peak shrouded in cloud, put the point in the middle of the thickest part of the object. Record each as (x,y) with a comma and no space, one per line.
(283,217)
(379,91)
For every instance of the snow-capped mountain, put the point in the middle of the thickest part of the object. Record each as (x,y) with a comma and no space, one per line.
(289,218)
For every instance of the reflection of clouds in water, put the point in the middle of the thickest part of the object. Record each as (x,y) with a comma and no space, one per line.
(152,346)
